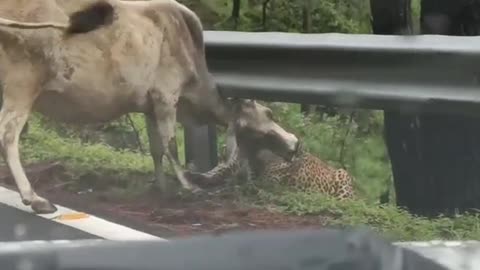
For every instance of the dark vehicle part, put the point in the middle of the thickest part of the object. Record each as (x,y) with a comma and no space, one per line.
(326,249)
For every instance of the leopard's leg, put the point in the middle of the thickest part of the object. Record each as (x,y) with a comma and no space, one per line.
(222,171)
(345,185)
(277,172)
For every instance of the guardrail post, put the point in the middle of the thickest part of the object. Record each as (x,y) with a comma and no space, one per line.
(201,147)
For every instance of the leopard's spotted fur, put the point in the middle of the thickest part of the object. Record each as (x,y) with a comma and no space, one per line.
(306,172)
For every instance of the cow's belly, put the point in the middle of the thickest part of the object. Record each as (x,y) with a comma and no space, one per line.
(82,109)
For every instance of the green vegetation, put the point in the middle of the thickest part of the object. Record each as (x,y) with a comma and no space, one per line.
(47,144)
(353,142)
(393,223)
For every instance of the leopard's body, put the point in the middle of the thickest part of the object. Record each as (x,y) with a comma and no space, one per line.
(306,172)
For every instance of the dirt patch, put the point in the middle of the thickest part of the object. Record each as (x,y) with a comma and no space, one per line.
(213,211)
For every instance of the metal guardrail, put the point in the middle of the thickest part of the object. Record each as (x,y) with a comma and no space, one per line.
(430,72)
(408,73)
(298,249)
(455,255)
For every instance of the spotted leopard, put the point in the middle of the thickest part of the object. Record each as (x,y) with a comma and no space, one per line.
(304,172)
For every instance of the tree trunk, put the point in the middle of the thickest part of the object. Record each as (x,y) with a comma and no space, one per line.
(307,16)
(435,158)
(264,14)
(235,13)
(307,28)
(391,17)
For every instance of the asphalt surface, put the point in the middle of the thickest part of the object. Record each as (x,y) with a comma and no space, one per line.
(17,225)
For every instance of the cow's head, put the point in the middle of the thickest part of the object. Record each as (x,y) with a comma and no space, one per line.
(255,127)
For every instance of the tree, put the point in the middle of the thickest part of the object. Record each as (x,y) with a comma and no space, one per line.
(307,28)
(390,17)
(235,13)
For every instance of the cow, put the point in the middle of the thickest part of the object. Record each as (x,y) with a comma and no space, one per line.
(86,61)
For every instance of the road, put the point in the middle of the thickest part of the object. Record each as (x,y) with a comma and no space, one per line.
(17,225)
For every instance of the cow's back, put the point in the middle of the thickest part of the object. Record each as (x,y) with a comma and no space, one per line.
(32,11)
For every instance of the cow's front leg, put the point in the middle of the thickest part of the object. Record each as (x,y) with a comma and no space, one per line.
(13,117)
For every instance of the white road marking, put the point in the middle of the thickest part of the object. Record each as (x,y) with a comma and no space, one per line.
(79,220)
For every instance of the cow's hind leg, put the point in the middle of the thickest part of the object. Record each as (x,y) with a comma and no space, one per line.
(157,151)
(12,121)
(162,131)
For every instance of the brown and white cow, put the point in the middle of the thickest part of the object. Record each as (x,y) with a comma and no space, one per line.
(82,61)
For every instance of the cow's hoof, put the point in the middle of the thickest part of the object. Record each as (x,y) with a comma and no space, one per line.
(196,190)
(194,178)
(43,207)
(192,188)
(26,202)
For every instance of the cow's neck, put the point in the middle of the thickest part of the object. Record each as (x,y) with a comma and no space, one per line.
(222,108)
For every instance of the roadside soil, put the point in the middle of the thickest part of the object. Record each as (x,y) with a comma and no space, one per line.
(213,211)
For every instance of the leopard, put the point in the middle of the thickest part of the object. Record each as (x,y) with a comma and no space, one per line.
(304,172)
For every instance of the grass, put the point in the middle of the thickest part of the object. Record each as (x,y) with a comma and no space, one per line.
(391,222)
(46,144)
(364,155)
(47,141)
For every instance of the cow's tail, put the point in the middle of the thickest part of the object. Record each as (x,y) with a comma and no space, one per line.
(194,26)
(92,17)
